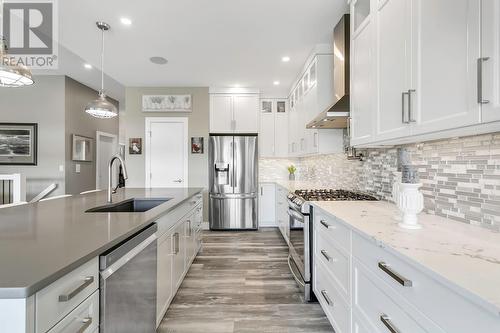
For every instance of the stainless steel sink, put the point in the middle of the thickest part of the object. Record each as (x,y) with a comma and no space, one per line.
(133,205)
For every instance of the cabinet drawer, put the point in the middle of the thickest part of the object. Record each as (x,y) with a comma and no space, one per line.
(169,220)
(329,226)
(55,301)
(335,260)
(430,296)
(371,303)
(83,319)
(336,309)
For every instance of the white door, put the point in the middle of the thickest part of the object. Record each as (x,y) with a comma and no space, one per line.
(362,87)
(221,114)
(394,67)
(167,152)
(106,147)
(491,67)
(246,113)
(267,205)
(266,134)
(281,133)
(445,49)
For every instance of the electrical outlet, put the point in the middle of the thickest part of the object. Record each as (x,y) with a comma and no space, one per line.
(77,168)
(61,168)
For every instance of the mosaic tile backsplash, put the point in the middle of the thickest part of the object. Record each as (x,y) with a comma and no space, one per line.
(460,176)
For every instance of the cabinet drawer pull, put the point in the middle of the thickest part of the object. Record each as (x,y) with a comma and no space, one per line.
(396,276)
(189,228)
(325,296)
(86,282)
(388,323)
(86,324)
(403,108)
(325,254)
(410,106)
(326,225)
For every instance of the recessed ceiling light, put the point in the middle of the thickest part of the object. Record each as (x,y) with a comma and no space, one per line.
(276,83)
(285,59)
(87,66)
(158,60)
(126,21)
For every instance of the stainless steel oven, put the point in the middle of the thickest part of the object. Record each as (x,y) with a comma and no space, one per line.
(299,247)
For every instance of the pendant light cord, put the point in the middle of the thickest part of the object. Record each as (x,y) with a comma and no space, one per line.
(102,61)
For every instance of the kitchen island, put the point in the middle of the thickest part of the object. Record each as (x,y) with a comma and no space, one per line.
(41,243)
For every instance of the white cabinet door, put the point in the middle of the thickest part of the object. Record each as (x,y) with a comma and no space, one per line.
(164,288)
(362,87)
(393,62)
(179,250)
(491,68)
(267,132)
(221,113)
(445,49)
(246,113)
(281,132)
(267,205)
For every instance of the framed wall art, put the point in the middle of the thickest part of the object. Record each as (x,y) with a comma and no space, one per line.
(18,143)
(135,146)
(82,150)
(197,145)
(166,103)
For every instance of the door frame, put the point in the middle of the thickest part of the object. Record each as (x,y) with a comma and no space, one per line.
(98,134)
(147,136)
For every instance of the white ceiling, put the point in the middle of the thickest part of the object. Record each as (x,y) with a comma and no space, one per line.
(216,43)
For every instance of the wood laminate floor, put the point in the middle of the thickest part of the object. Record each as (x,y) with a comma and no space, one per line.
(240,282)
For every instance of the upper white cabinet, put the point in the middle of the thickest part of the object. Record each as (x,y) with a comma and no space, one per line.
(234,112)
(312,94)
(490,60)
(273,135)
(416,69)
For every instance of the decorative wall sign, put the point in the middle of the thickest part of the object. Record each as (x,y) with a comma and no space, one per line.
(166,103)
(135,146)
(82,148)
(18,143)
(197,145)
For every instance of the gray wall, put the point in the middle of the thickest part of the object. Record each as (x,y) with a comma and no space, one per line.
(42,103)
(132,124)
(79,122)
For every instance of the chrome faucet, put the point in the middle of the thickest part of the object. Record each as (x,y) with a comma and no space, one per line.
(111,191)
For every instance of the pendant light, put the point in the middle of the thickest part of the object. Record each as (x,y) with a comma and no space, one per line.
(12,75)
(101,108)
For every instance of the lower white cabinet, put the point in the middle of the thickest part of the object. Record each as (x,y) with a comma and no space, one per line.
(364,287)
(177,248)
(282,211)
(267,197)
(83,319)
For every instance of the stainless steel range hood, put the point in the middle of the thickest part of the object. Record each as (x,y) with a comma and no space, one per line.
(337,114)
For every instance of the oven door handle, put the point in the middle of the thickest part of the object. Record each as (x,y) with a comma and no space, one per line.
(295,272)
(296,216)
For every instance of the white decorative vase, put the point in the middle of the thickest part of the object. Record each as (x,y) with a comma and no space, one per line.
(411,203)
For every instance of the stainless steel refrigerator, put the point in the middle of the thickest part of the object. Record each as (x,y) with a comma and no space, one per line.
(233,182)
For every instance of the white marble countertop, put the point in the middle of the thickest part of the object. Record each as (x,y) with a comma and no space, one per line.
(468,256)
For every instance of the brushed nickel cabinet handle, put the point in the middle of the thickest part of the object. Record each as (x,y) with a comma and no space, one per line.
(410,108)
(403,109)
(480,62)
(326,225)
(325,254)
(86,324)
(395,275)
(388,323)
(86,282)
(189,228)
(325,296)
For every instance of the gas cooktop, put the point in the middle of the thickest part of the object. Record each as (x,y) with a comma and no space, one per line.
(333,195)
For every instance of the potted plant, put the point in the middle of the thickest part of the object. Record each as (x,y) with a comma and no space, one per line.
(291,170)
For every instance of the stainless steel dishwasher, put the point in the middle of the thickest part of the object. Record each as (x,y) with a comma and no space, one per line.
(128,285)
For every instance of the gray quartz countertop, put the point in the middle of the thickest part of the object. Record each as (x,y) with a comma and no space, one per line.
(43,241)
